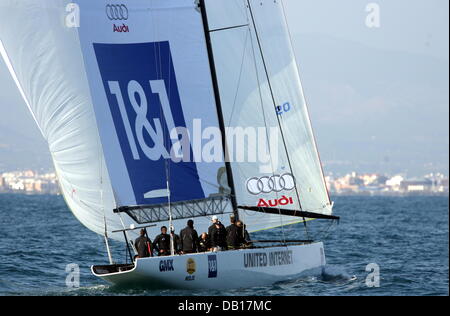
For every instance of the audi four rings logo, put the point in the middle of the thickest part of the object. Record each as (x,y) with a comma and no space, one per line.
(117,12)
(276,183)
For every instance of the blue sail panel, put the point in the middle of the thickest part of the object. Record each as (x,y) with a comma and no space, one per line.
(146,146)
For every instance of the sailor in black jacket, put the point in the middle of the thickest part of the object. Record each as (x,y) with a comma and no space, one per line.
(234,235)
(142,245)
(176,242)
(189,238)
(218,235)
(204,244)
(162,243)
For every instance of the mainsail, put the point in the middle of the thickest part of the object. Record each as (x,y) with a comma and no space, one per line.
(128,96)
(260,86)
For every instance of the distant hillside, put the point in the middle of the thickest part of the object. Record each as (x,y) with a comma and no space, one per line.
(21,144)
(18,151)
(374,109)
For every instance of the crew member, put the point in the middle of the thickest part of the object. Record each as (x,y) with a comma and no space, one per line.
(143,245)
(189,238)
(245,239)
(176,241)
(234,235)
(162,243)
(218,235)
(204,244)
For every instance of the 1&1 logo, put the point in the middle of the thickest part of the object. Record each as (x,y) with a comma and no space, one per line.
(143,96)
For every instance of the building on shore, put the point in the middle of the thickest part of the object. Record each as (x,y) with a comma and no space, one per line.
(375,184)
(32,182)
(29,182)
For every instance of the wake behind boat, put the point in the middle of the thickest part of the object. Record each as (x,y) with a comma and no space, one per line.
(166,110)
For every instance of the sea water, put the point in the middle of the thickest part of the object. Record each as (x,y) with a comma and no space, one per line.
(382,246)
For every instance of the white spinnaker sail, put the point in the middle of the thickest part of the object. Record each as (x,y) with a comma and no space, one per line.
(45,60)
(260,87)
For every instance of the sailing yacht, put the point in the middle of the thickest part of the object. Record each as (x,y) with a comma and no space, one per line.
(160,111)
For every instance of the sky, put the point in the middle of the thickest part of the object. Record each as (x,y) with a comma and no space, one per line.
(378,97)
(409,26)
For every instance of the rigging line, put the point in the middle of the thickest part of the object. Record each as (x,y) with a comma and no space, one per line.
(270,86)
(265,120)
(155,36)
(159,73)
(169,56)
(102,206)
(168,170)
(275,104)
(127,235)
(326,231)
(228,28)
(216,186)
(166,136)
(265,124)
(306,103)
(240,78)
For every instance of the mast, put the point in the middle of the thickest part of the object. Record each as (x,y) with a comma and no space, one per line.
(234,203)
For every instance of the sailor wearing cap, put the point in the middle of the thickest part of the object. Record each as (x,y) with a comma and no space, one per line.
(218,235)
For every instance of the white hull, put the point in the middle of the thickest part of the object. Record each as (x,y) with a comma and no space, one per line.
(221,270)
